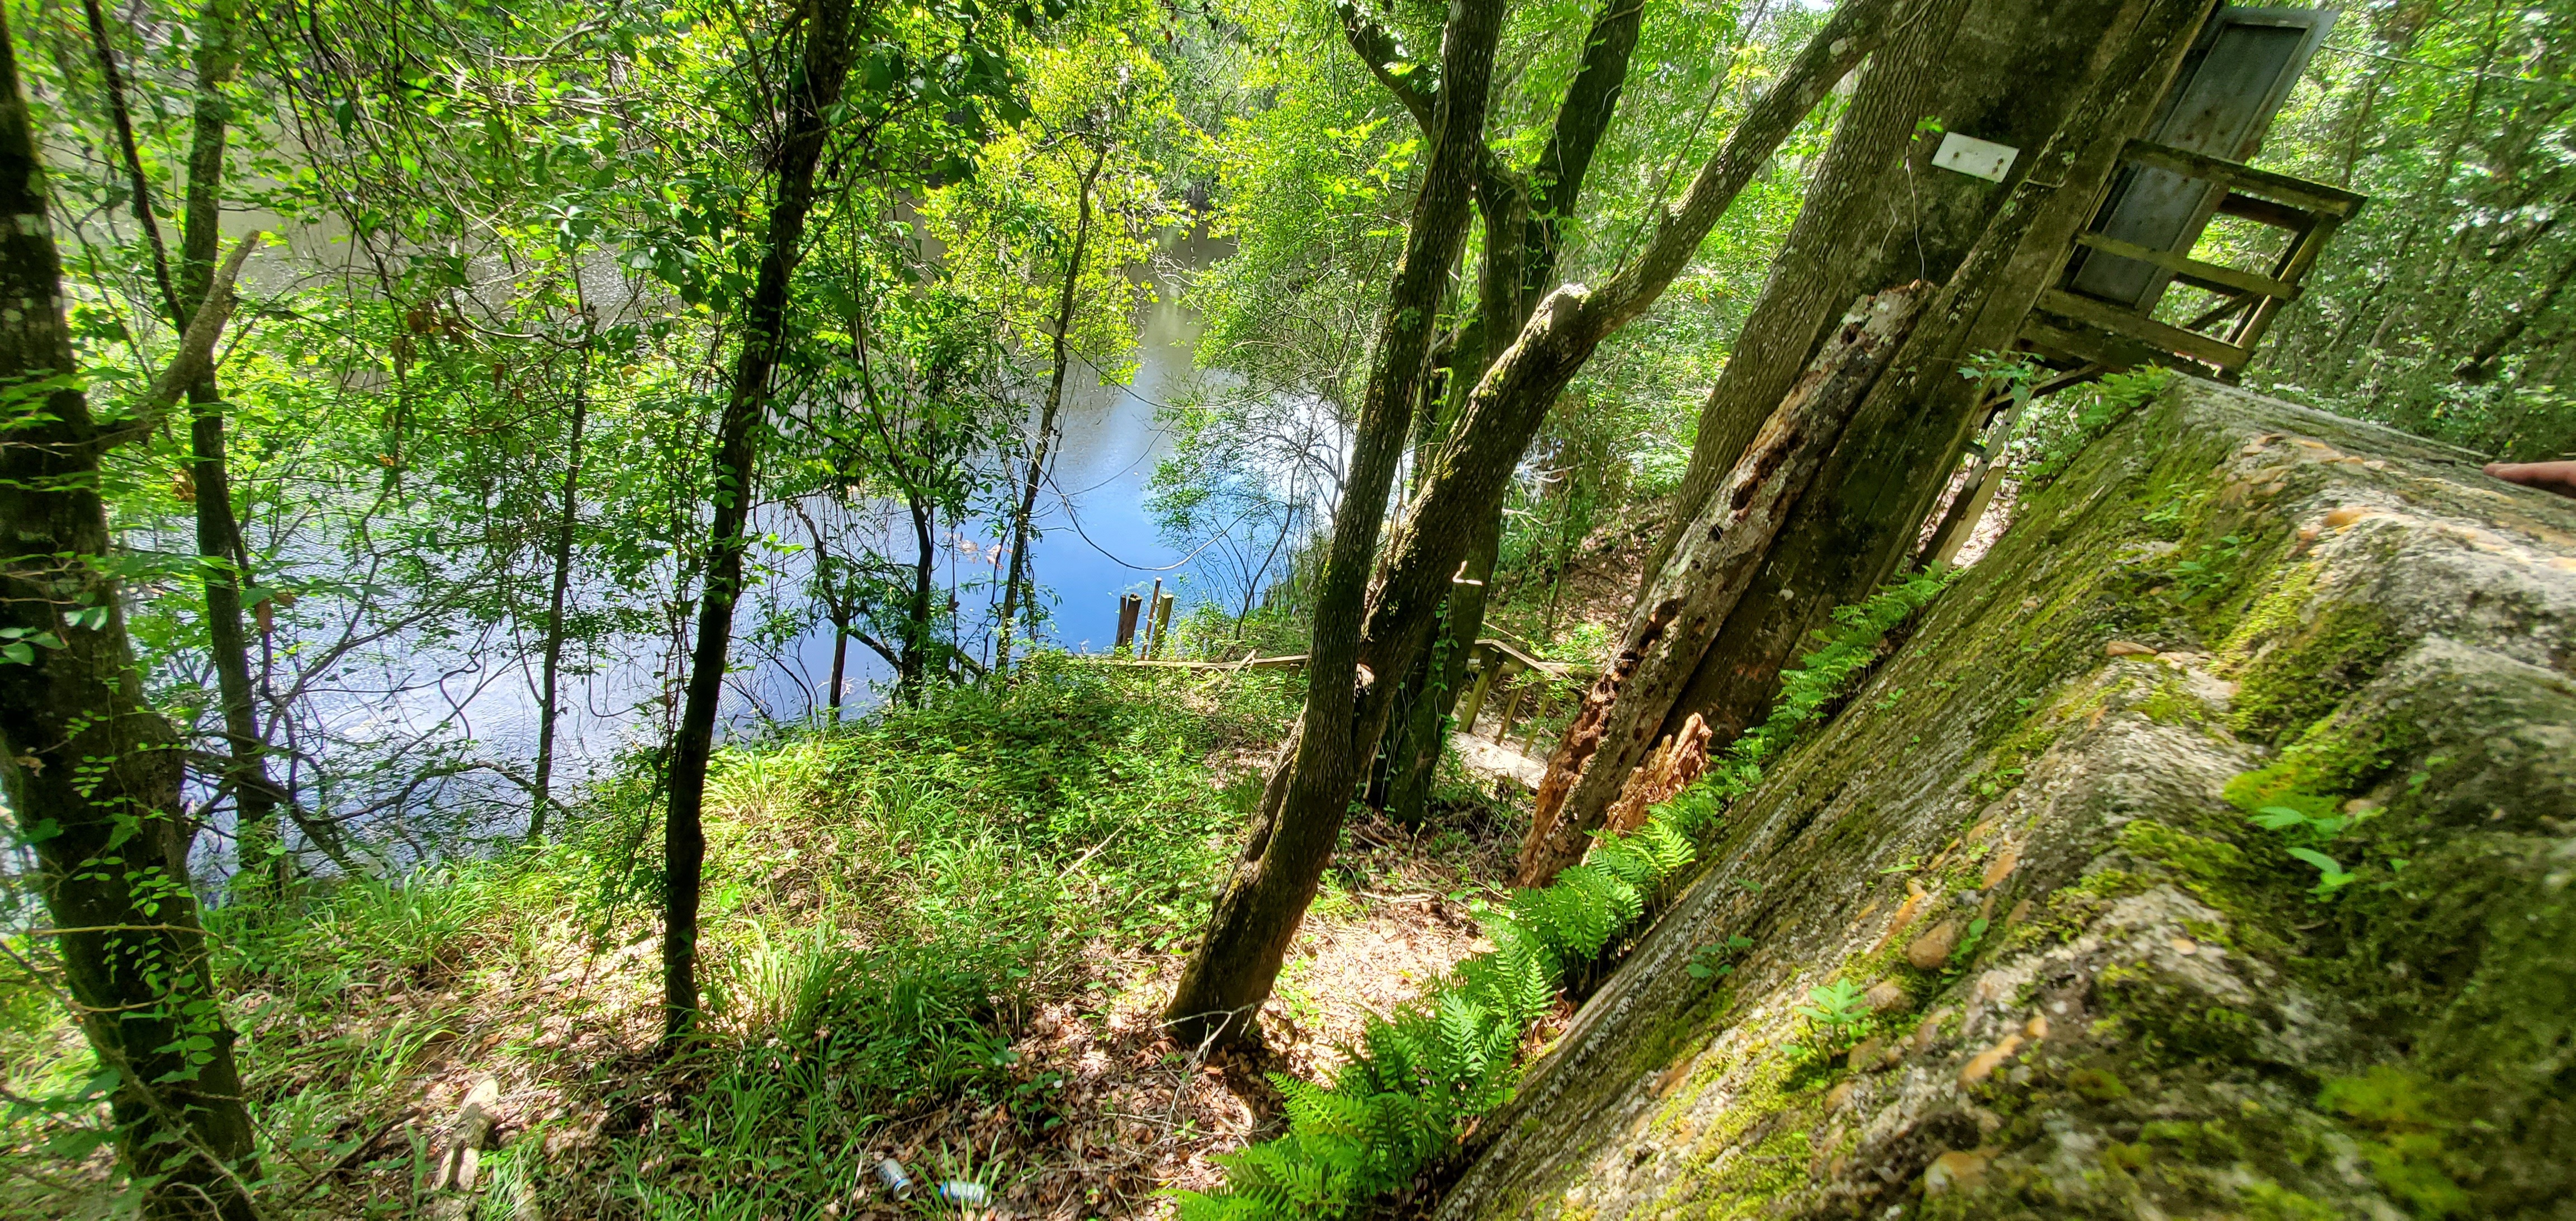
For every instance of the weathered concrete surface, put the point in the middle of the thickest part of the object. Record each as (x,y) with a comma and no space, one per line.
(2227,604)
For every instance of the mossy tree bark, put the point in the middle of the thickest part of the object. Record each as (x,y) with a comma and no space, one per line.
(1875,490)
(1348,706)
(823,67)
(1257,911)
(1525,218)
(1878,213)
(92,773)
(1721,549)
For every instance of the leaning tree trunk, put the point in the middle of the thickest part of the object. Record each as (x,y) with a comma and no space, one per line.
(1346,714)
(1861,522)
(1880,213)
(827,55)
(567,526)
(92,773)
(1013,593)
(1430,691)
(1516,273)
(1257,912)
(1413,750)
(223,560)
(1721,549)
(1828,257)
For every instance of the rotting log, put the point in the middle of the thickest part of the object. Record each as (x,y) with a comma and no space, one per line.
(1708,573)
(1863,518)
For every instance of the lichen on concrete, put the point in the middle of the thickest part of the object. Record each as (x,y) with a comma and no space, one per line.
(2097,987)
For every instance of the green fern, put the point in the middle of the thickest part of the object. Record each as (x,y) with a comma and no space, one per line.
(1415,1082)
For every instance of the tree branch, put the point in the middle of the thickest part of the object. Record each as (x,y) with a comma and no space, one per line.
(1417,86)
(195,360)
(142,186)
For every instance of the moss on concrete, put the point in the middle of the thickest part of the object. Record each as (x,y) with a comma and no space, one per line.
(2289,686)
(2165,1017)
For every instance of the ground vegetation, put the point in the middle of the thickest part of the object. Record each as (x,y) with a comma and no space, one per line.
(555,659)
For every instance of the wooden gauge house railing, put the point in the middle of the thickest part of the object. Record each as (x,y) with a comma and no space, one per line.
(2099,317)
(2099,314)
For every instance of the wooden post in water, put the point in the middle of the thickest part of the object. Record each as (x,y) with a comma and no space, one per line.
(1162,621)
(1153,603)
(1128,605)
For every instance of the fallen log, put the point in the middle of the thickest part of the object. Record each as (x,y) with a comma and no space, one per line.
(1285,661)
(1691,595)
(1290,661)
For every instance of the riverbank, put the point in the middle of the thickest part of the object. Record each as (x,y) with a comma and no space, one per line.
(937,934)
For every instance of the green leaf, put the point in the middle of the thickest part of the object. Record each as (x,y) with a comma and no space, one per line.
(2277,818)
(2331,875)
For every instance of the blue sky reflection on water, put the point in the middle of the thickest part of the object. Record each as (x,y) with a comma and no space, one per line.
(1096,538)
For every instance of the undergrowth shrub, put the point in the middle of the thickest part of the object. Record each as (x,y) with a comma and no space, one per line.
(1417,1080)
(884,898)
(2062,425)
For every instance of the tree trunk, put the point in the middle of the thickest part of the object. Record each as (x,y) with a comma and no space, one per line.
(1874,491)
(223,560)
(1721,549)
(1257,911)
(1346,710)
(92,774)
(1522,242)
(1012,597)
(1878,213)
(827,54)
(550,702)
(1469,477)
(103,49)
(840,660)
(914,669)
(1830,248)
(1414,754)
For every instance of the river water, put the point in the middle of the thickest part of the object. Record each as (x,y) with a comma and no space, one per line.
(1096,539)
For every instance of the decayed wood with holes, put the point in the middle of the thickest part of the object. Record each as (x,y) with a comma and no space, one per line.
(1707,574)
